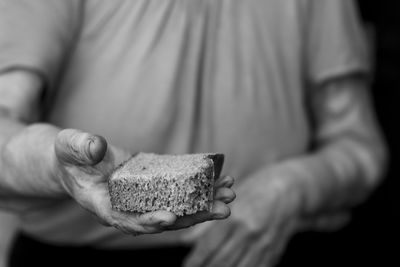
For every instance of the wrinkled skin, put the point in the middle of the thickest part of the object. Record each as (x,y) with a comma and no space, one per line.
(83,163)
(264,217)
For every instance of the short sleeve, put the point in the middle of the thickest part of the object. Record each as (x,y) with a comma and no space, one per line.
(336,43)
(36,34)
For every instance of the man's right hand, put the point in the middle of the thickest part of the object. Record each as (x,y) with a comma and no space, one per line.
(83,164)
(39,163)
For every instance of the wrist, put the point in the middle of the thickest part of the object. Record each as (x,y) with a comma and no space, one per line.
(28,162)
(300,185)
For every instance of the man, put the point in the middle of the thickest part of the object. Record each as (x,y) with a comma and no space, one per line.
(277,86)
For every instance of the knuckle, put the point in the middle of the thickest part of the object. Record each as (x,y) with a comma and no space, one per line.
(250,229)
(152,230)
(124,229)
(125,225)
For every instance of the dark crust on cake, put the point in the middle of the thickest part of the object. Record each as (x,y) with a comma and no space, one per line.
(218,160)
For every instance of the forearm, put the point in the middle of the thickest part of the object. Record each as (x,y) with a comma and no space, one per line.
(27,160)
(337,176)
(26,148)
(27,163)
(349,156)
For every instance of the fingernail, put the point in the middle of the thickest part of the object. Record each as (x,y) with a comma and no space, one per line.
(230,181)
(221,212)
(227,182)
(97,147)
(218,216)
(227,199)
(165,223)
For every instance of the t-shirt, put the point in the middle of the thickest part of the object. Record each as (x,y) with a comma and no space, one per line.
(178,76)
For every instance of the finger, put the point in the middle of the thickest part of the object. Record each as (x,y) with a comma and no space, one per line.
(257,255)
(79,148)
(225,195)
(190,220)
(208,245)
(148,223)
(255,258)
(331,222)
(232,251)
(268,249)
(270,257)
(225,181)
(98,202)
(157,218)
(219,211)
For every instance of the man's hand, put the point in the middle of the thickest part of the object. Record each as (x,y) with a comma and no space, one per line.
(303,192)
(39,164)
(264,216)
(84,162)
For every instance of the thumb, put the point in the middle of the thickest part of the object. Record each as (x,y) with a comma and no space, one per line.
(79,148)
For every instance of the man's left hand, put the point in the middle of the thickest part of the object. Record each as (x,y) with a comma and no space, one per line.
(265,215)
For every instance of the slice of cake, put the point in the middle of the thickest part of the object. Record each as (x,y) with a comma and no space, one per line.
(182,184)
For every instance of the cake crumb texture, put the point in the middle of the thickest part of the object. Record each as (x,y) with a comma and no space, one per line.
(182,184)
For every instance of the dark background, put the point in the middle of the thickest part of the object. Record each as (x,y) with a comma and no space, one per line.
(371,238)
